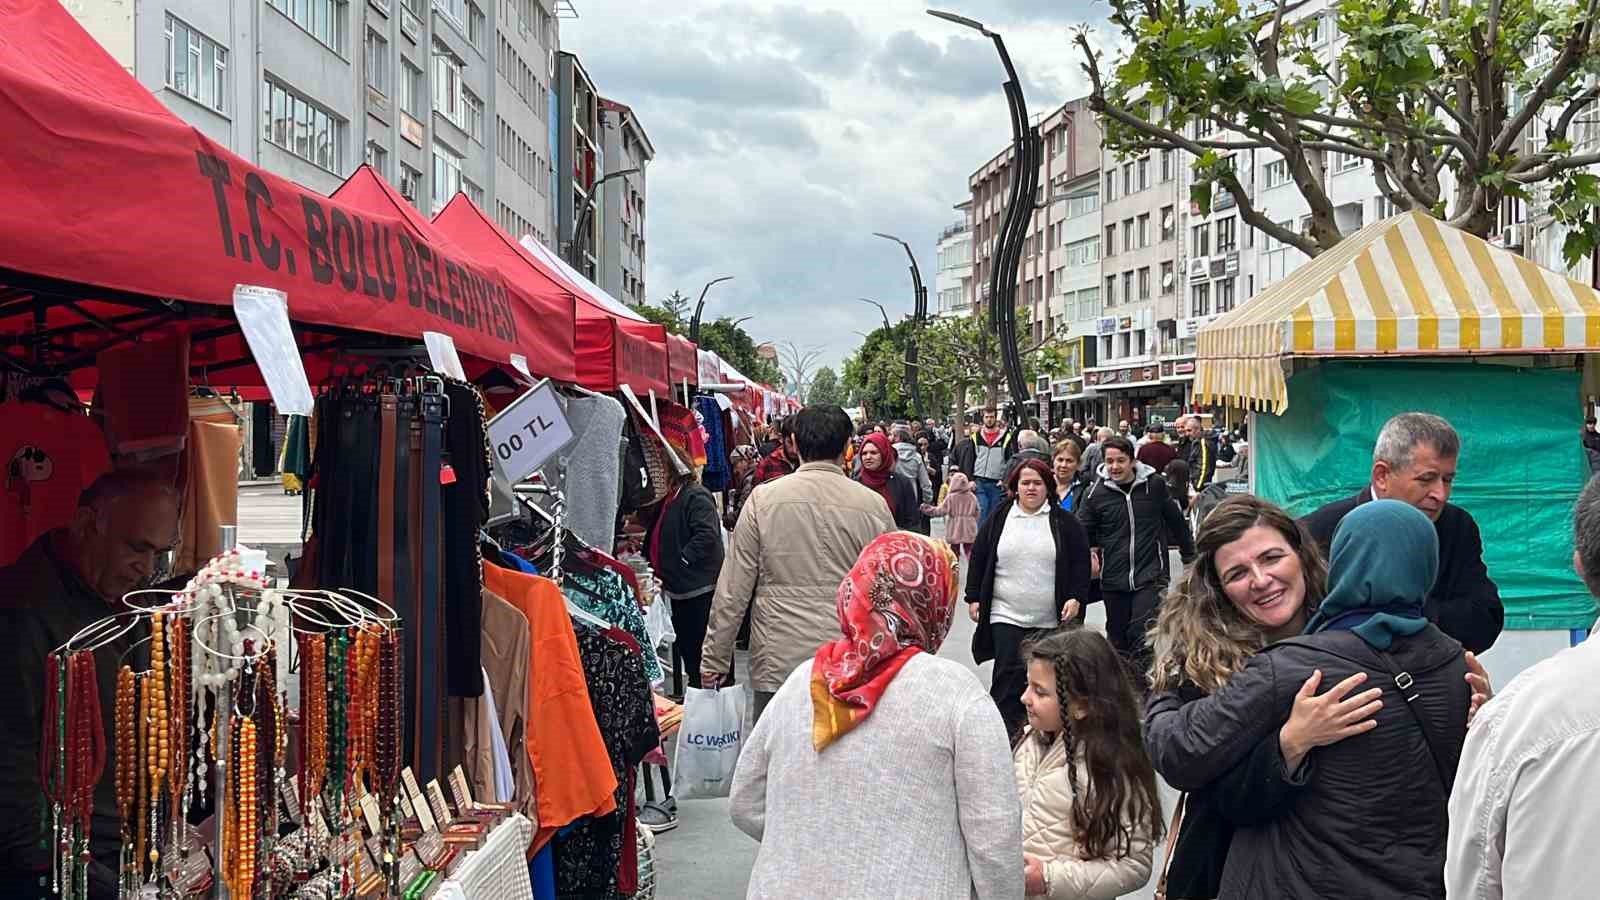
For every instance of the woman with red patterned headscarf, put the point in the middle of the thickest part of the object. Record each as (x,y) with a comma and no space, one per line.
(880,768)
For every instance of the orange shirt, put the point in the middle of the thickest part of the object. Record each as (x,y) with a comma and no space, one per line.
(571,770)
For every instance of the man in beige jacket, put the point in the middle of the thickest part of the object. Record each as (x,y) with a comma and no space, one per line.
(796,539)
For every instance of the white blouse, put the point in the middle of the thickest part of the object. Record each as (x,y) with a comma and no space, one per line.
(1025,571)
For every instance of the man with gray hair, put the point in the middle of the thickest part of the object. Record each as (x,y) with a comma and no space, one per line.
(1030,445)
(1415,461)
(1517,823)
(1094,454)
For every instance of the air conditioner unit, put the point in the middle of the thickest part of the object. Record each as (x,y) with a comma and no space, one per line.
(1166,282)
(1511,235)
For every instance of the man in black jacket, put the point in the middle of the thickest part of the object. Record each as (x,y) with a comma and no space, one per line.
(1131,520)
(1415,461)
(1199,450)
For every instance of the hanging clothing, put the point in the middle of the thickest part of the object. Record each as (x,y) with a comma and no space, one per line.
(571,765)
(143,393)
(716,474)
(50,456)
(603,593)
(265,462)
(593,468)
(210,490)
(588,856)
(507,654)
(466,509)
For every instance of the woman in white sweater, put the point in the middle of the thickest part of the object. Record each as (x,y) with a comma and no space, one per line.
(880,770)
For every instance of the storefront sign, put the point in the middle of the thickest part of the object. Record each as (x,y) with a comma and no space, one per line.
(1231,264)
(442,354)
(1119,377)
(1184,368)
(1044,409)
(1107,325)
(1125,323)
(263,315)
(1219,266)
(528,432)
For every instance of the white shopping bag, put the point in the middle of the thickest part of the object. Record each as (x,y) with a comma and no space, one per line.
(658,622)
(708,742)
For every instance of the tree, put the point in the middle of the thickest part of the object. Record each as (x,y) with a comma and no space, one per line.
(679,306)
(796,363)
(734,345)
(1422,89)
(825,388)
(661,316)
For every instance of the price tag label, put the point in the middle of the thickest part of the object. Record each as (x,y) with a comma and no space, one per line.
(528,432)
(440,809)
(289,794)
(263,315)
(461,790)
(369,811)
(442,354)
(520,363)
(404,801)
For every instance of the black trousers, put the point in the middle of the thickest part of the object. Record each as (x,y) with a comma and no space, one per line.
(1010,673)
(1129,615)
(690,616)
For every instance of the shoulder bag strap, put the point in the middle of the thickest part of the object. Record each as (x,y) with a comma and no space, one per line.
(1172,843)
(1407,687)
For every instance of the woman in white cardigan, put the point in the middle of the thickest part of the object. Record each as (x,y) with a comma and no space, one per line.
(880,770)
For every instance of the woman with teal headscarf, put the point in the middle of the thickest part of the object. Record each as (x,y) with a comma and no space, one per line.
(1370,820)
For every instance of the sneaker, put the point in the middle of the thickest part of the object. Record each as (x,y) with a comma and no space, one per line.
(659,817)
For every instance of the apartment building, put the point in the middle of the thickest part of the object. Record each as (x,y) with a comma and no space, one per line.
(580,164)
(952,280)
(622,245)
(1074,306)
(311,89)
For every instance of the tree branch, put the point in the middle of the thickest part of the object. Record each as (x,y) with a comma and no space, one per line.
(1556,166)
(1571,54)
(1439,102)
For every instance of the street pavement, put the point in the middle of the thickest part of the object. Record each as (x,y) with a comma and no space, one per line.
(707,858)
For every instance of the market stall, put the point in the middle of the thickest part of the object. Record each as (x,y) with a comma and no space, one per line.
(1411,314)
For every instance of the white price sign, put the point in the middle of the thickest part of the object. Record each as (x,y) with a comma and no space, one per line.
(263,315)
(442,355)
(528,432)
(520,363)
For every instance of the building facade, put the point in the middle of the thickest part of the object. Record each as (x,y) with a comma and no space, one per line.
(952,281)
(622,201)
(311,89)
(580,164)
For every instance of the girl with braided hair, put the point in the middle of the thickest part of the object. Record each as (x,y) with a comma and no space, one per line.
(1090,812)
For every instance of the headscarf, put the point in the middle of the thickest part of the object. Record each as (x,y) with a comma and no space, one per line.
(879,480)
(896,602)
(1384,560)
(959,482)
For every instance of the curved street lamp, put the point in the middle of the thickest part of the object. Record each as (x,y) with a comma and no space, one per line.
(699,307)
(1027,147)
(919,315)
(881,311)
(575,246)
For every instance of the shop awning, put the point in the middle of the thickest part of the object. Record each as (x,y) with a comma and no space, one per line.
(370,192)
(683,359)
(606,355)
(103,188)
(1406,286)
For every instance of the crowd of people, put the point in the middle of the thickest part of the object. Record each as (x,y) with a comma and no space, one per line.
(1307,685)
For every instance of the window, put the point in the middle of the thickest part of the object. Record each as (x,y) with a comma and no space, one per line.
(1082,205)
(1383,208)
(1166,165)
(1127,178)
(1082,253)
(1111,290)
(1127,286)
(1144,172)
(410,183)
(410,89)
(446,176)
(197,66)
(474,193)
(306,129)
(473,108)
(377,62)
(1105,348)
(1200,300)
(1344,162)
(1144,230)
(447,87)
(1169,223)
(378,158)
(1111,185)
(477,26)
(1277,172)
(1200,245)
(455,9)
(1127,235)
(322,19)
(1111,240)
(1227,230)
(1144,283)
(1321,29)
(1225,294)
(1168,279)
(1127,343)
(1139,342)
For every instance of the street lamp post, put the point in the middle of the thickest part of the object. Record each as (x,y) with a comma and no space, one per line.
(1027,147)
(575,246)
(919,315)
(699,307)
(881,311)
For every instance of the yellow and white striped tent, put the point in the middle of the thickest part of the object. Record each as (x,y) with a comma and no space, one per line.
(1409,285)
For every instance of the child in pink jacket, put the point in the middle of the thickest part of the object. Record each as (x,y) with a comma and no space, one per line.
(960,509)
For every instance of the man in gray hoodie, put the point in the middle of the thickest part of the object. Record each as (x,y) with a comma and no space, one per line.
(911,464)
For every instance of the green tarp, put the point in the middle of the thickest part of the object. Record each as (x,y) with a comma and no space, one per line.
(1522,464)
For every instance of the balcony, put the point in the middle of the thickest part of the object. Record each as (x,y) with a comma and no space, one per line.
(953,230)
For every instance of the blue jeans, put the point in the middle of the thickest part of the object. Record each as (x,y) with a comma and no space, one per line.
(988,498)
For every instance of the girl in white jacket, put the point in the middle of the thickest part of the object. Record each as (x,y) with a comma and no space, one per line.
(1090,812)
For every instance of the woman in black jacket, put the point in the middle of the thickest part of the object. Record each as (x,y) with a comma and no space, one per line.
(1369,815)
(685,548)
(1029,573)
(877,472)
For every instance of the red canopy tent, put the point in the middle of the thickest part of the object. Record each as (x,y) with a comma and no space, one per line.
(683,359)
(607,354)
(118,219)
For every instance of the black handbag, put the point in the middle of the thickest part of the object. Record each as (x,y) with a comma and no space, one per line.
(638,488)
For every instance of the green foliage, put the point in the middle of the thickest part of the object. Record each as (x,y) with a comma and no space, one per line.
(662,316)
(826,388)
(734,345)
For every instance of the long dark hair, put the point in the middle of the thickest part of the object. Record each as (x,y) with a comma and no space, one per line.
(1091,676)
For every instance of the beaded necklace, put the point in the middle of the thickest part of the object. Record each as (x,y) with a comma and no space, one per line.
(71,757)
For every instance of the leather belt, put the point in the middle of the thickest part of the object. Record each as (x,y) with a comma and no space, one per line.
(408,443)
(412,610)
(431,709)
(386,496)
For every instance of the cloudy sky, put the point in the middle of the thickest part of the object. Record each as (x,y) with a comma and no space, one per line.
(787,132)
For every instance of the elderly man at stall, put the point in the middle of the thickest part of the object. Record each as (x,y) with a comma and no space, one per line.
(1415,461)
(69,579)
